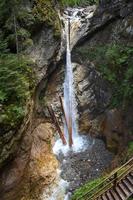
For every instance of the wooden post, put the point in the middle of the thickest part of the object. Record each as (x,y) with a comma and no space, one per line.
(70,132)
(115,180)
(55,121)
(63,110)
(68,122)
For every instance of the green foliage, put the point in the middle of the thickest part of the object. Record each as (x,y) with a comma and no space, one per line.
(17,81)
(17,24)
(44,11)
(6,9)
(87,187)
(12,14)
(130,150)
(79,2)
(3,44)
(26,18)
(115,64)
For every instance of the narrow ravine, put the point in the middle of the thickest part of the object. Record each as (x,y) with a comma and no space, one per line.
(66,90)
(87,158)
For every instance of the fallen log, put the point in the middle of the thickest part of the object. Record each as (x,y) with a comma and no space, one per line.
(56,123)
(70,132)
(68,122)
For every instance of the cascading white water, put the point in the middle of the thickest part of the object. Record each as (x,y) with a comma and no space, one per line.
(69,96)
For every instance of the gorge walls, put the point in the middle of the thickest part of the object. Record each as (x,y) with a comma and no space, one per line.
(30,164)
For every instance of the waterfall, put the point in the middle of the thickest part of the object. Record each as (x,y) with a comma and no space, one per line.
(81,143)
(71,20)
(69,95)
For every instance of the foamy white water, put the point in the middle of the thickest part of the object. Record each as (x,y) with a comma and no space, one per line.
(79,145)
(57,191)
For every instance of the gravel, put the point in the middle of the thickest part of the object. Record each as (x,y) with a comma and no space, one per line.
(78,168)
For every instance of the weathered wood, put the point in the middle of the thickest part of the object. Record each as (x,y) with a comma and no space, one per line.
(63,110)
(115,180)
(56,123)
(70,131)
(68,122)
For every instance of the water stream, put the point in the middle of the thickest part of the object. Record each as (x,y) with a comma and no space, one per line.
(69,94)
(80,143)
(87,158)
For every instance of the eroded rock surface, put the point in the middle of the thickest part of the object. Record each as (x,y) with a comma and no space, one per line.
(85,22)
(44,50)
(113,129)
(34,167)
(42,162)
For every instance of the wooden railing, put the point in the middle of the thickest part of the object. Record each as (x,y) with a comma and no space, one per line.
(110,181)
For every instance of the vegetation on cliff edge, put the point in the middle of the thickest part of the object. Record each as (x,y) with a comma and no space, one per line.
(45,12)
(78,2)
(115,62)
(18,22)
(17,82)
(16,70)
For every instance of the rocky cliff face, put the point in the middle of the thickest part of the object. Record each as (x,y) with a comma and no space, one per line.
(26,162)
(33,166)
(111,23)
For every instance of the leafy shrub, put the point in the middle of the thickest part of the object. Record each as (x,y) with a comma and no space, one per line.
(3,45)
(16,78)
(44,11)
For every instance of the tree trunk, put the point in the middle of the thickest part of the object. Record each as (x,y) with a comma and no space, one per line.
(15,29)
